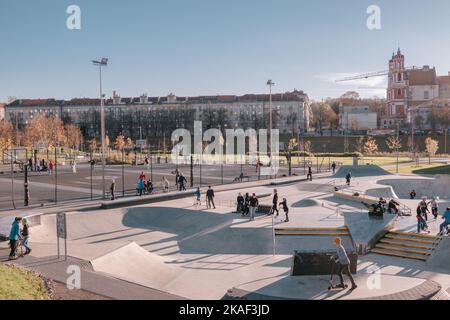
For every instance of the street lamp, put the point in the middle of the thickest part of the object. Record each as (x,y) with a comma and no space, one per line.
(270,83)
(102,63)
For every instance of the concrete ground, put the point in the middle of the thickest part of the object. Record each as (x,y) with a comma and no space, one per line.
(198,253)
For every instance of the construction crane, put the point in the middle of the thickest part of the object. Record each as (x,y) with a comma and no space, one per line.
(371,75)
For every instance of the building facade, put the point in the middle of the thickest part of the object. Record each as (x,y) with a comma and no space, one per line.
(411,91)
(157,117)
(357,118)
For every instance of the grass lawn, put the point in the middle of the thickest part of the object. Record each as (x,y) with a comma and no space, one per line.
(17,284)
(424,168)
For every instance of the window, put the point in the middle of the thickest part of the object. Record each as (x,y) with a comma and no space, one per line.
(426,95)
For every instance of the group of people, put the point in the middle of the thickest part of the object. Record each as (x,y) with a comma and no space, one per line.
(41,166)
(423,210)
(248,204)
(144,185)
(209,198)
(19,236)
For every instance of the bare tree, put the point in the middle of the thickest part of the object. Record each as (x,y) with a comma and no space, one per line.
(432,146)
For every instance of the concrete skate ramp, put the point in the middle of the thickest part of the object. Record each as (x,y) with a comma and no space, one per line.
(424,187)
(367,231)
(386,192)
(361,171)
(134,264)
(440,259)
(201,232)
(306,203)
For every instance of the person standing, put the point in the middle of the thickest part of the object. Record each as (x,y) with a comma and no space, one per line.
(344,264)
(198,195)
(446,217)
(141,186)
(112,188)
(14,238)
(421,223)
(30,164)
(348,178)
(275,203)
(149,186)
(50,167)
(309,175)
(253,206)
(424,208)
(26,235)
(182,182)
(434,207)
(333,166)
(246,209)
(177,178)
(74,167)
(412,195)
(210,198)
(240,203)
(165,184)
(285,207)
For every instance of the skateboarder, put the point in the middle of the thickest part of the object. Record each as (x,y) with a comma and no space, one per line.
(424,208)
(446,217)
(421,223)
(348,178)
(344,264)
(434,207)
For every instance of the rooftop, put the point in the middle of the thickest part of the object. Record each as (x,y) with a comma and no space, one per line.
(288,96)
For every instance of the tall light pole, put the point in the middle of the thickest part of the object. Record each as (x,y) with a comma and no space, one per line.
(270,83)
(102,63)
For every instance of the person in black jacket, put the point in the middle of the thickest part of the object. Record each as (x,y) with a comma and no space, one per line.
(254,203)
(246,209)
(240,203)
(210,198)
(285,207)
(275,203)
(309,176)
(25,235)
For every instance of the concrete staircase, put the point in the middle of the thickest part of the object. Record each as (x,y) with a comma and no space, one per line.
(324,232)
(406,245)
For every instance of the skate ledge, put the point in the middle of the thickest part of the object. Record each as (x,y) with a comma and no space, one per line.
(125,202)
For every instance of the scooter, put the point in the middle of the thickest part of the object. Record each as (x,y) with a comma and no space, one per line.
(331,286)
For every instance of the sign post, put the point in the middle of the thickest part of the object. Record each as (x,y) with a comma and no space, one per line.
(61,232)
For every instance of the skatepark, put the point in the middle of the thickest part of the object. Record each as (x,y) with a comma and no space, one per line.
(193,252)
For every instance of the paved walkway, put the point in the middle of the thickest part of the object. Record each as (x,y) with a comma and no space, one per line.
(56,269)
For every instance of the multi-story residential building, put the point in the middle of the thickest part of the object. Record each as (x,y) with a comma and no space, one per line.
(357,118)
(156,117)
(411,89)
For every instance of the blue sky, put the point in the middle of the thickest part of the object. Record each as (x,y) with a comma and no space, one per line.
(207,47)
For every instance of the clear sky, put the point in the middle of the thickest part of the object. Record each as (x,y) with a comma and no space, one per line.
(207,47)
